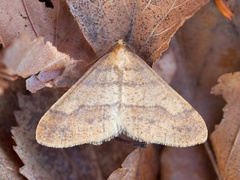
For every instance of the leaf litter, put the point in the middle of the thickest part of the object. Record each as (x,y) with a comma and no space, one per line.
(226,137)
(227,57)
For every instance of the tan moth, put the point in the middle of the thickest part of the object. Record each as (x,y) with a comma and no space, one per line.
(121,94)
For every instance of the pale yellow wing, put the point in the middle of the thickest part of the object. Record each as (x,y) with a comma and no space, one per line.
(153,112)
(121,93)
(88,112)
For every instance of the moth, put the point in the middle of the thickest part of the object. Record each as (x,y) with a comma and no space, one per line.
(120,93)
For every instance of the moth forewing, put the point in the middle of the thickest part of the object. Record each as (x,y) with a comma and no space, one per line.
(121,94)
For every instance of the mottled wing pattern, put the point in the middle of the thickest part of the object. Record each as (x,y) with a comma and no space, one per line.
(87,113)
(153,112)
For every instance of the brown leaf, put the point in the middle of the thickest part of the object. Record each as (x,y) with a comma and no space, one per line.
(215,52)
(110,156)
(54,24)
(166,67)
(205,47)
(25,58)
(140,164)
(145,25)
(9,161)
(186,163)
(226,138)
(5,78)
(1,44)
(224,9)
(234,5)
(83,162)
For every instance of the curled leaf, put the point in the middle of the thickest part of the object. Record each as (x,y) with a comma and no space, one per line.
(26,57)
(226,137)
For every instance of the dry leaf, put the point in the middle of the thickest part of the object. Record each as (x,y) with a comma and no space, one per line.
(185,163)
(205,47)
(1,43)
(235,7)
(166,67)
(226,138)
(110,156)
(25,58)
(85,162)
(5,78)
(121,94)
(9,161)
(224,9)
(140,164)
(54,24)
(215,52)
(145,25)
